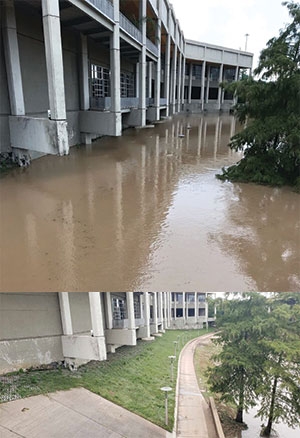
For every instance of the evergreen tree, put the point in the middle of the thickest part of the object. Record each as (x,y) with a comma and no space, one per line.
(270,104)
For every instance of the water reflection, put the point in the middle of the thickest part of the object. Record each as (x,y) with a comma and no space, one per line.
(145,211)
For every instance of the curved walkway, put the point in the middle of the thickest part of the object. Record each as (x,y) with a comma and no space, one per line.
(194,418)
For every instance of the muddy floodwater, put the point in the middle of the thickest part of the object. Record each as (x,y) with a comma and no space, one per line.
(145,212)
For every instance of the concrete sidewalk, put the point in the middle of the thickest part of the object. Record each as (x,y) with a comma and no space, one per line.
(77,413)
(194,418)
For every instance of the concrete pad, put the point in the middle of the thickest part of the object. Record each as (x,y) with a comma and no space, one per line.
(77,413)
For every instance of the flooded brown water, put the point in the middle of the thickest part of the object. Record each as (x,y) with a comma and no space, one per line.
(145,212)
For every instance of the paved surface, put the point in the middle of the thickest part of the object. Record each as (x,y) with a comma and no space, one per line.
(194,419)
(77,413)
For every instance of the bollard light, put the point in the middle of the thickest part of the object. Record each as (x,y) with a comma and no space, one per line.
(172,359)
(166,389)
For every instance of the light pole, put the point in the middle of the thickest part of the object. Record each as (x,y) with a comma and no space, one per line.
(166,389)
(172,358)
(246,35)
(175,347)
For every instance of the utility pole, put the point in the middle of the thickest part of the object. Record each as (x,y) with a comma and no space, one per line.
(246,35)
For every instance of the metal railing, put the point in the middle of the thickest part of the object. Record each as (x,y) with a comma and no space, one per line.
(104,6)
(130,28)
(152,47)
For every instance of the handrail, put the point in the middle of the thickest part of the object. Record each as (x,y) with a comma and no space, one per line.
(130,28)
(104,6)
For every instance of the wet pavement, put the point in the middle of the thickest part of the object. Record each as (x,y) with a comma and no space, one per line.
(145,212)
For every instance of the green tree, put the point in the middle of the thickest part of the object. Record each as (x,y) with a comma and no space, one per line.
(280,387)
(260,358)
(239,364)
(269,107)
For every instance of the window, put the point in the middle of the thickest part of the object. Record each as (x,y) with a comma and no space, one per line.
(191,312)
(197,71)
(100,81)
(119,309)
(127,85)
(214,73)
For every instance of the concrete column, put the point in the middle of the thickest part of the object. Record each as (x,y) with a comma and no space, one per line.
(65,313)
(115,71)
(96,313)
(190,84)
(137,75)
(183,308)
(150,67)
(207,84)
(220,89)
(165,310)
(183,82)
(55,72)
(203,84)
(236,77)
(155,311)
(206,310)
(142,62)
(175,307)
(84,74)
(174,79)
(158,72)
(109,315)
(178,109)
(167,72)
(147,313)
(160,309)
(130,310)
(12,61)
(196,307)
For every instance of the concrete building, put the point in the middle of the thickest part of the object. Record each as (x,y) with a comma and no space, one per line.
(74,70)
(41,328)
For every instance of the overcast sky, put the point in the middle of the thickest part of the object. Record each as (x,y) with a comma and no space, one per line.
(225,23)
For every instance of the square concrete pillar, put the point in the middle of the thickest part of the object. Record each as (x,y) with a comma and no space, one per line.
(55,72)
(203,85)
(65,313)
(115,71)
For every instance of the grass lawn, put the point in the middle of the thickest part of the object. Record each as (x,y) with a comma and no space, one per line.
(131,377)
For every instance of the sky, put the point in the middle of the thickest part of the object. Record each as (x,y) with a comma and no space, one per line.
(225,23)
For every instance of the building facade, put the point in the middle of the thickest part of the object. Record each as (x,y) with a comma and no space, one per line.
(41,328)
(74,70)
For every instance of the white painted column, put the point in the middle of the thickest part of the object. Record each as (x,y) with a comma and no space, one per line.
(137,81)
(220,89)
(207,84)
(65,313)
(174,79)
(115,72)
(183,308)
(183,82)
(175,306)
(196,307)
(169,308)
(165,310)
(12,61)
(190,84)
(84,74)
(158,71)
(206,310)
(178,108)
(160,309)
(130,310)
(155,309)
(167,72)
(55,72)
(147,313)
(96,314)
(150,66)
(236,77)
(109,315)
(142,63)
(203,85)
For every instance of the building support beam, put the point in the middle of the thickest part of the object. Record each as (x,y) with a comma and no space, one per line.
(183,82)
(203,85)
(55,72)
(155,311)
(108,309)
(147,313)
(158,72)
(190,84)
(167,73)
(142,64)
(115,68)
(174,80)
(65,313)
(220,91)
(178,106)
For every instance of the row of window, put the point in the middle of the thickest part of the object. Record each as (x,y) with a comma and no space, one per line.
(100,82)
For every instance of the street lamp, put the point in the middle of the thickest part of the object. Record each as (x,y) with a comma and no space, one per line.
(246,35)
(175,347)
(172,358)
(166,389)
